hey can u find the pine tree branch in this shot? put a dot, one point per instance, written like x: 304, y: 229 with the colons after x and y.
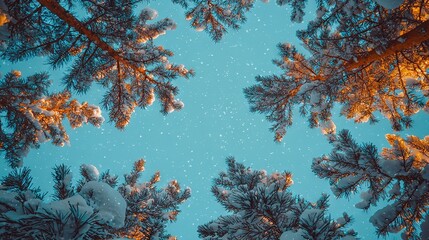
x: 411, y: 39
x: 67, y: 17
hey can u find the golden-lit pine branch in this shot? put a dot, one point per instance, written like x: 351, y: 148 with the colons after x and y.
x: 67, y: 17
x: 410, y: 39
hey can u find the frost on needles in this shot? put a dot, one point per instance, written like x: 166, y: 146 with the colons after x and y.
x: 262, y: 208
x: 397, y: 178
x: 94, y: 209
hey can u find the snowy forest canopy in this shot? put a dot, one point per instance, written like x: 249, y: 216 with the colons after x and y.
x: 368, y: 58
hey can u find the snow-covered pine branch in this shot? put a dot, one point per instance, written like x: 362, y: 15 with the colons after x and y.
x: 216, y: 16
x: 262, y: 208
x: 108, y: 44
x: 93, y: 210
x: 361, y: 56
x: 398, y: 175
x: 30, y: 115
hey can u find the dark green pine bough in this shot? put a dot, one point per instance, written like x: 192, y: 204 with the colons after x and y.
x: 98, y: 207
x: 109, y: 45
x: 261, y: 207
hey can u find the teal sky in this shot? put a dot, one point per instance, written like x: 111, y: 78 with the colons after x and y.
x: 191, y: 145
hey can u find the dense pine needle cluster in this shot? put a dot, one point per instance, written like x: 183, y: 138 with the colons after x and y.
x: 398, y: 175
x: 29, y: 115
x: 216, y: 16
x: 363, y: 57
x: 261, y: 207
x: 94, y: 209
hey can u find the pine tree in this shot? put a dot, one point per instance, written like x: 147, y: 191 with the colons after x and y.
x: 91, y: 210
x: 362, y: 56
x: 105, y: 42
x: 261, y: 207
x: 216, y: 16
x: 398, y: 175
x: 29, y: 115
x: 102, y: 42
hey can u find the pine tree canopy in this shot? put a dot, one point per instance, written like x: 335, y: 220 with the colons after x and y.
x: 94, y: 209
x: 104, y: 42
x: 398, y: 175
x: 262, y: 208
x: 360, y: 56
x: 364, y: 60
x: 30, y: 115
x: 101, y: 42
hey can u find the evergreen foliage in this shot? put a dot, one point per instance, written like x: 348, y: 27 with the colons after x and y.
x: 216, y: 16
x: 94, y: 210
x: 29, y: 115
x: 103, y: 42
x: 363, y: 57
x: 109, y: 45
x: 261, y: 207
x: 398, y: 175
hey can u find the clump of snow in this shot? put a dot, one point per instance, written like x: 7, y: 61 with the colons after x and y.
x: 348, y: 237
x: 149, y: 13
x: 189, y: 17
x: 8, y: 199
x: 291, y: 235
x: 425, y: 228
x: 200, y: 28
x: 310, y: 213
x: 63, y: 206
x: 390, y: 4
x: 362, y: 205
x: 384, y: 217
x: 169, y: 108
x: 151, y: 97
x: 90, y: 171
x: 33, y: 203
x: 366, y: 200
x: 425, y: 172
x: 315, y: 97
x: 327, y: 127
x: 396, y: 189
x: 391, y: 167
x: 411, y: 81
x: 178, y: 104
x: 107, y: 201
x: 96, y: 111
x: 343, y: 220
x: 226, y: 12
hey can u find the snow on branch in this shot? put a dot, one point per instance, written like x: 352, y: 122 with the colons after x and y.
x: 109, y: 45
x: 360, y: 56
x: 262, y: 207
x: 398, y: 175
x: 29, y: 115
x: 95, y: 209
x: 216, y: 16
